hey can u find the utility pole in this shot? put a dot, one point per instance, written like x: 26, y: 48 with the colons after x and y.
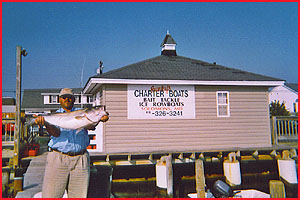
x: 19, y: 55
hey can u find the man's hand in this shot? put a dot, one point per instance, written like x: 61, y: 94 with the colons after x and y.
x: 40, y: 120
x: 51, y: 129
x: 93, y: 127
x: 104, y: 118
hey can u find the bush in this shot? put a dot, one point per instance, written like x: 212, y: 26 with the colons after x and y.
x: 278, y: 109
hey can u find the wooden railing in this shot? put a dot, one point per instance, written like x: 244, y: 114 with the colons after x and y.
x: 8, y: 137
x: 8, y: 127
x: 284, y: 130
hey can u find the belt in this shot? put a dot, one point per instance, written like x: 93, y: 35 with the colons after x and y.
x: 69, y: 153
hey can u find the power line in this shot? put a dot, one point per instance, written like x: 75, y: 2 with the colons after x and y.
x: 8, y: 90
x: 12, y: 91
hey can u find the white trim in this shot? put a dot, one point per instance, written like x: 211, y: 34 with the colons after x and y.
x: 290, y: 89
x: 177, y: 82
x: 168, y: 47
x: 55, y: 93
x: 98, y: 132
x: 48, y: 93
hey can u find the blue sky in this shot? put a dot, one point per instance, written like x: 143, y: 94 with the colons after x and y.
x: 62, y: 39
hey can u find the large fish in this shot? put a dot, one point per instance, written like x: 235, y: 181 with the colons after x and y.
x: 77, y: 119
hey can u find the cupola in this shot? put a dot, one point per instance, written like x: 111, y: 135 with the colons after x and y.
x: 168, y: 46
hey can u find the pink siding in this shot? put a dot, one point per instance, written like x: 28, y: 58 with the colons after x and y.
x: 247, y: 126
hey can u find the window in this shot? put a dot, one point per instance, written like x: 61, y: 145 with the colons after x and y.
x: 223, y: 104
x: 77, y: 99
x: 53, y: 99
x: 89, y: 99
x: 296, y: 106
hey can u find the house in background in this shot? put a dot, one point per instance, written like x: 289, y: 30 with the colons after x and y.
x: 43, y: 101
x: 37, y: 101
x: 8, y: 117
x: 8, y: 107
x: 288, y: 94
x: 171, y: 103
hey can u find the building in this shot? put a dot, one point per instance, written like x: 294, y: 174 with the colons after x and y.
x: 45, y: 101
x: 37, y: 101
x: 287, y: 94
x: 8, y: 117
x: 8, y: 107
x: 171, y: 103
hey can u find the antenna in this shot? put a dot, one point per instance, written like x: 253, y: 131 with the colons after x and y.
x: 101, y: 66
x: 100, y: 69
x: 81, y: 77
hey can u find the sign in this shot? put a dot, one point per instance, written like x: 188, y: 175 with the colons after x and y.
x: 161, y: 102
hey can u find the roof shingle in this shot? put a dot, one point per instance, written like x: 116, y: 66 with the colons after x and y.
x: 181, y: 68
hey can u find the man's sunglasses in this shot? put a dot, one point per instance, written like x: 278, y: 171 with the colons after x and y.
x: 67, y: 96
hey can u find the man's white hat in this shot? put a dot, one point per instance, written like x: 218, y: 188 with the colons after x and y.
x: 66, y: 91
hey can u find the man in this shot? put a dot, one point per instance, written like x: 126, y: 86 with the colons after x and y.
x: 68, y: 162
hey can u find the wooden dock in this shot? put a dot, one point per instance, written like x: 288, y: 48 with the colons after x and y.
x: 33, y: 178
x: 284, y: 137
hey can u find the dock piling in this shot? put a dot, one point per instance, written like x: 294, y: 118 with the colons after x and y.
x: 200, y: 179
x: 277, y: 189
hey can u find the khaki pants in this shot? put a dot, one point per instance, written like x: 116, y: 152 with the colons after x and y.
x: 66, y: 172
